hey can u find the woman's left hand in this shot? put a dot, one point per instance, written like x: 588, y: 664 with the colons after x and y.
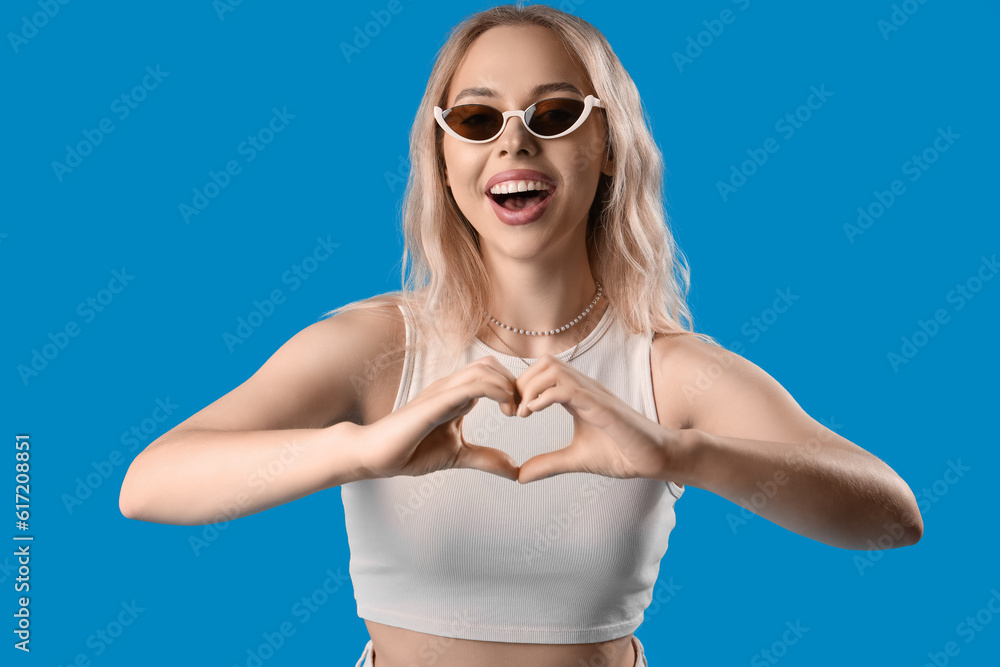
x: 610, y: 437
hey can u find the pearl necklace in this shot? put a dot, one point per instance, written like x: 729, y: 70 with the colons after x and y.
x: 585, y: 315
x: 552, y: 332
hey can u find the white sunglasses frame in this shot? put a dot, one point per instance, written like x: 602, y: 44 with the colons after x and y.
x: 589, y: 103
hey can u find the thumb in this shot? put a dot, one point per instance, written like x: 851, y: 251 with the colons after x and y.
x: 487, y: 459
x: 546, y: 465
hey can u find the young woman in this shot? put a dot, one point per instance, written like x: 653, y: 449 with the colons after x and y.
x: 512, y: 530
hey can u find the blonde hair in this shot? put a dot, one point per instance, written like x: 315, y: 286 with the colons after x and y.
x: 629, y: 245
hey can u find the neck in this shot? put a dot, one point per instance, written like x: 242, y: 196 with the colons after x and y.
x: 541, y: 297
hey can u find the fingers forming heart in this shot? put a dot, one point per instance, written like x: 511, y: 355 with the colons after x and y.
x: 609, y: 436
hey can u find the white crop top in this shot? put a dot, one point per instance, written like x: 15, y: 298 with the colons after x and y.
x: 464, y: 553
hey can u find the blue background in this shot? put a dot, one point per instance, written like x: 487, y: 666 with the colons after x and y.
x: 324, y: 175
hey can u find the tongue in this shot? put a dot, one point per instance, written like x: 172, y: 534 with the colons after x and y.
x: 518, y: 202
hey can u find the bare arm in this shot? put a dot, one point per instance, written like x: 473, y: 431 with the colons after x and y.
x: 751, y: 443
x: 281, y: 435
x: 196, y: 477
x: 822, y: 490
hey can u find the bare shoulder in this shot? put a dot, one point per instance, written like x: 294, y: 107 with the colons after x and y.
x: 726, y: 394
x: 683, y: 366
x: 378, y: 336
x: 685, y: 348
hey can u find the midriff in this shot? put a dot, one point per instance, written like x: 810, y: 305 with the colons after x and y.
x: 398, y: 647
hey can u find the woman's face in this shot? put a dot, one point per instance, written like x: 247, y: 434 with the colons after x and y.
x: 512, y: 62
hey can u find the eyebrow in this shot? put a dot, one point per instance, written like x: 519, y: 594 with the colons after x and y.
x: 558, y: 86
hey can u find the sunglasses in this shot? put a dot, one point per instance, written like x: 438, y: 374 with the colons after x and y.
x: 547, y: 119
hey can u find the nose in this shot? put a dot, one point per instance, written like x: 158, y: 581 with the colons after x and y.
x: 516, y: 137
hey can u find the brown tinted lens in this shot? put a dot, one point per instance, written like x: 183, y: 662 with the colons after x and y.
x: 474, y: 121
x: 551, y: 117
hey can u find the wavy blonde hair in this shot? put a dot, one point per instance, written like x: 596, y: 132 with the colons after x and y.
x: 629, y: 244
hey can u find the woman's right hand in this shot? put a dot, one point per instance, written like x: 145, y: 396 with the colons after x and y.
x: 425, y: 435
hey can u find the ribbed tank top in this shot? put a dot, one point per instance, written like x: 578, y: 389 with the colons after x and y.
x: 464, y: 553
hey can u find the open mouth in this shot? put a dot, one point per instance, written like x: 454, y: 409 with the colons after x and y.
x: 515, y: 201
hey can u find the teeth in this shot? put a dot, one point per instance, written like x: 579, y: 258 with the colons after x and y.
x: 508, y: 187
